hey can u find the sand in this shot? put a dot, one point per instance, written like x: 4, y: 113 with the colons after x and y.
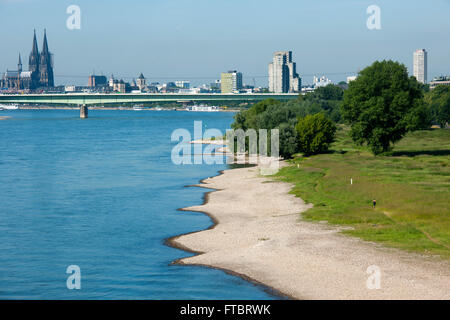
x: 259, y: 234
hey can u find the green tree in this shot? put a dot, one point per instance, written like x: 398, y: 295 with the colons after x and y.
x: 315, y: 133
x: 247, y: 119
x: 382, y: 104
x: 288, y: 140
x: 438, y: 101
x: 329, y: 92
x: 328, y: 99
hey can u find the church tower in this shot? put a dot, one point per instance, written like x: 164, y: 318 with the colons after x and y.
x: 33, y: 64
x: 45, y: 65
x: 19, y: 65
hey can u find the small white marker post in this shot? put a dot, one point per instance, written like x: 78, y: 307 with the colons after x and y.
x: 351, y: 180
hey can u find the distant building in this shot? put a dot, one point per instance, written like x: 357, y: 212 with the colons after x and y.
x: 442, y: 80
x: 230, y: 81
x: 351, y: 78
x: 97, y: 81
x: 73, y: 88
x: 420, y: 57
x: 40, y: 70
x: 321, y: 82
x: 215, y: 86
x: 120, y: 86
x: 141, y: 82
x: 283, y: 75
x: 111, y: 81
x: 183, y: 84
x: 17, y: 79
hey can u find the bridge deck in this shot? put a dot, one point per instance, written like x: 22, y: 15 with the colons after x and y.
x: 102, y: 99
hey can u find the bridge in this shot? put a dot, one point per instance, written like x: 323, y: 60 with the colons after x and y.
x: 79, y: 99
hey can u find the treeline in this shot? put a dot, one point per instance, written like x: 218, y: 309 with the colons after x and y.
x: 305, y: 124
x: 380, y: 106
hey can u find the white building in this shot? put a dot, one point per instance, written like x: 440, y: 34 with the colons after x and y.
x: 351, y: 78
x: 283, y: 76
x: 183, y: 84
x: 420, y: 65
x: 321, y: 82
x: 111, y: 81
x: 442, y: 80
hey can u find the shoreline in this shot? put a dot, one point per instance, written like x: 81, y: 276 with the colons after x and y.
x: 292, y: 258
x: 172, y: 242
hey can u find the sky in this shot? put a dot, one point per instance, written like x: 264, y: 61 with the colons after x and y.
x: 196, y: 40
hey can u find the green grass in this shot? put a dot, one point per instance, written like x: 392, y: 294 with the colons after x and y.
x: 411, y: 185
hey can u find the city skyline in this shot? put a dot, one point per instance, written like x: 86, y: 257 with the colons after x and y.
x: 314, y: 32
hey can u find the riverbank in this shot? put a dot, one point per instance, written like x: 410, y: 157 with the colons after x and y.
x: 259, y: 234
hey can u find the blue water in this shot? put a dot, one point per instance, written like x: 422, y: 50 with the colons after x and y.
x: 102, y: 193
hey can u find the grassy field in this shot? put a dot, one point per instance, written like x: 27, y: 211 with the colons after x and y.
x: 411, y: 186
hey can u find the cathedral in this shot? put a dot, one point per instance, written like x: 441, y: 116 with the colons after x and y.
x: 39, y: 74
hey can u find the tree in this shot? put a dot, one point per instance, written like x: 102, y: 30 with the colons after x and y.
x: 328, y: 98
x: 382, y: 104
x: 247, y: 119
x: 438, y: 101
x: 315, y: 133
x: 288, y: 140
x: 329, y: 92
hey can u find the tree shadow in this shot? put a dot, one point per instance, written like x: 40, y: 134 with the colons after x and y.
x: 420, y: 153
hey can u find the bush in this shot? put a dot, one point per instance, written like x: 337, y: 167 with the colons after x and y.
x: 315, y: 133
x: 438, y: 101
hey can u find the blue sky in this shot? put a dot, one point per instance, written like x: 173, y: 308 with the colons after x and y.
x: 197, y: 39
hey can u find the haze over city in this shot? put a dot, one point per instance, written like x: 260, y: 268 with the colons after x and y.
x: 200, y: 39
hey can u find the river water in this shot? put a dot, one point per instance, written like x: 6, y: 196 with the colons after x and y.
x: 102, y: 194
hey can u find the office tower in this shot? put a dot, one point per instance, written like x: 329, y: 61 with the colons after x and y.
x: 283, y: 75
x: 420, y: 65
x: 230, y: 81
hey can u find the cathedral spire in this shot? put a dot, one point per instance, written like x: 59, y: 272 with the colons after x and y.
x: 45, y: 45
x: 19, y: 64
x: 33, y: 63
x: 34, y: 50
x: 46, y: 65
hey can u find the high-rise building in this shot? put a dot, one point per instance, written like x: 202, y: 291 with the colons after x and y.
x: 420, y: 65
x: 283, y: 75
x: 230, y: 81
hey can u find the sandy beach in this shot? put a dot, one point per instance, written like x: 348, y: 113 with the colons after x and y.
x: 260, y: 235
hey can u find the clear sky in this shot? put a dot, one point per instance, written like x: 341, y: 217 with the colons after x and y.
x: 197, y: 39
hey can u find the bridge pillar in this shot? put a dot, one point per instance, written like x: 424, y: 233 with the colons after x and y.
x: 83, y: 111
